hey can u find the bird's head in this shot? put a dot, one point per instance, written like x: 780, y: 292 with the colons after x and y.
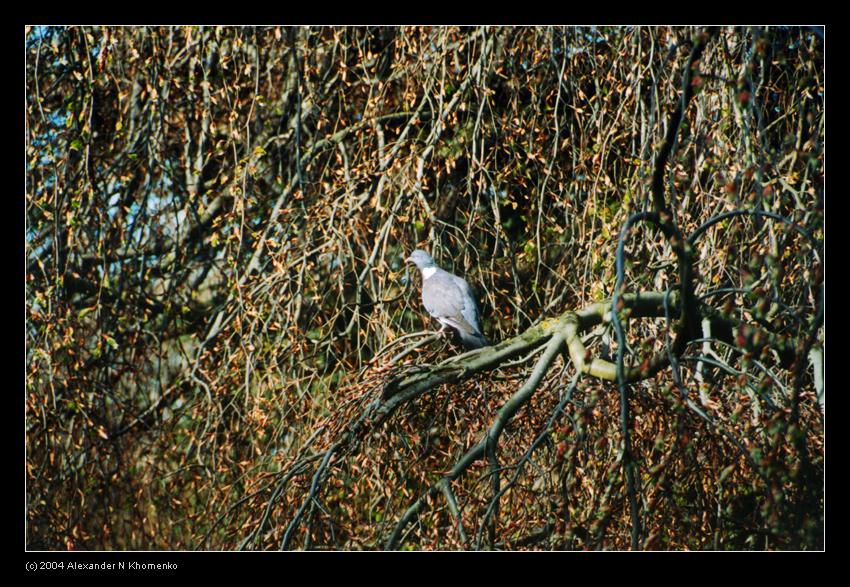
x: 421, y: 259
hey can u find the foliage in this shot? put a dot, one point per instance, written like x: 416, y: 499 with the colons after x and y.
x: 216, y: 225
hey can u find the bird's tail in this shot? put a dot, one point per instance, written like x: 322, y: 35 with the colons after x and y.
x: 473, y: 340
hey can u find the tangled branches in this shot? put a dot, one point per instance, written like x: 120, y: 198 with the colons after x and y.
x: 224, y: 351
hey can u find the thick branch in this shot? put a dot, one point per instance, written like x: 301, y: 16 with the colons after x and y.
x: 572, y: 324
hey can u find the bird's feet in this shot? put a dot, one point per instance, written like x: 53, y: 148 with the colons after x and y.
x: 444, y: 334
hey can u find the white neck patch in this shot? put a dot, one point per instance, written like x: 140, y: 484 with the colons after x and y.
x: 428, y: 272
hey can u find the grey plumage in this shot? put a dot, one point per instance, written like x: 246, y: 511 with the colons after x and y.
x: 449, y: 299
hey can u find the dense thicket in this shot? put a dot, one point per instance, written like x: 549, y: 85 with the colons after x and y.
x: 217, y: 220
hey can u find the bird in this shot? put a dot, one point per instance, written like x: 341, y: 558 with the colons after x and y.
x: 449, y: 299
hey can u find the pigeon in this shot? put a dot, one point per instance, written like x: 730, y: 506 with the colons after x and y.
x: 449, y: 299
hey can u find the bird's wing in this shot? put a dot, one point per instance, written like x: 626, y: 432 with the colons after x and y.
x: 469, y: 309
x: 445, y: 300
